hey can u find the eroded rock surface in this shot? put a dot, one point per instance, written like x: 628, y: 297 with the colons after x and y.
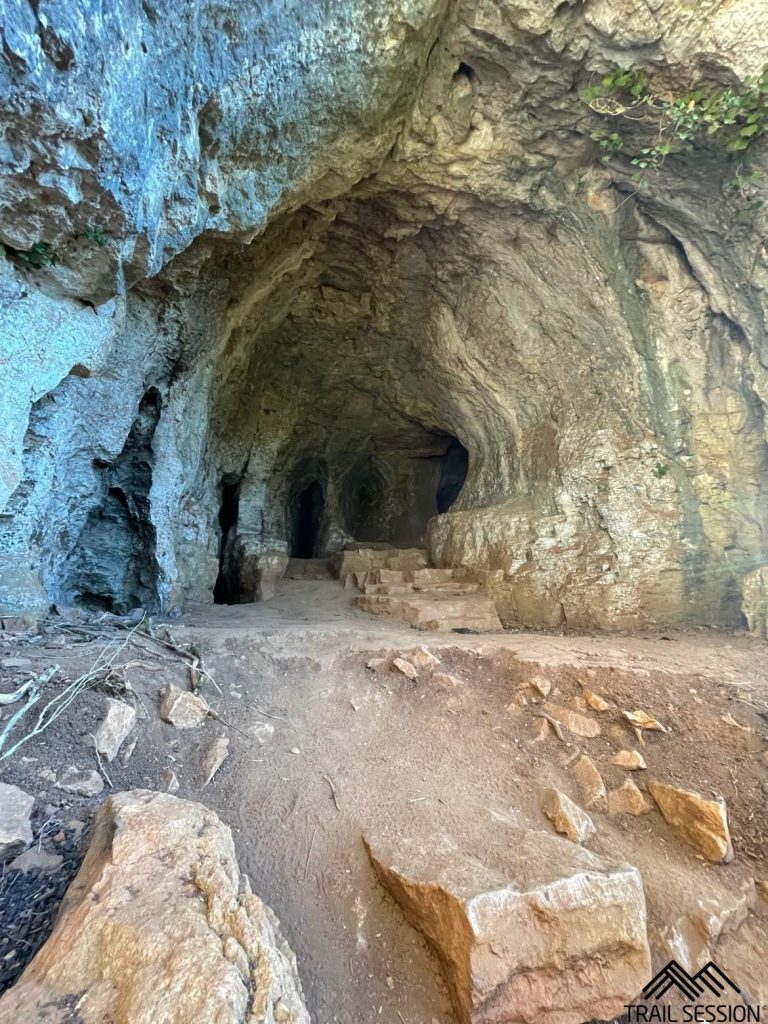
x: 160, y: 925
x: 279, y: 309
x: 554, y: 934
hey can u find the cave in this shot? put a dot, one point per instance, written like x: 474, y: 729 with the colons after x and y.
x: 453, y: 473
x: 364, y: 366
x: 113, y: 565
x: 364, y: 488
x: 227, y: 587
x: 307, y: 510
x: 445, y: 294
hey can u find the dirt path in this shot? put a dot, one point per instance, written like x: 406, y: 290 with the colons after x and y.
x: 416, y: 758
x: 324, y: 751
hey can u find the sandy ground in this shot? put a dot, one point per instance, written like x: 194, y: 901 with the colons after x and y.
x: 325, y: 751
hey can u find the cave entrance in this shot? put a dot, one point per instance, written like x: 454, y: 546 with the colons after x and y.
x: 363, y: 492
x: 307, y: 510
x: 454, y: 466
x: 113, y: 566
x: 227, y: 588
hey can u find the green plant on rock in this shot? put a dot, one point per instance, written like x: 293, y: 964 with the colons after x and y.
x: 660, y: 470
x: 41, y: 254
x: 743, y: 190
x: 731, y: 119
x: 96, y: 235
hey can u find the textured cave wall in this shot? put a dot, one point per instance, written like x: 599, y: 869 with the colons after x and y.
x: 236, y: 113
x: 617, y: 461
x: 375, y: 256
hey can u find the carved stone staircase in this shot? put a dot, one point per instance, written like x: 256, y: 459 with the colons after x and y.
x: 399, y: 584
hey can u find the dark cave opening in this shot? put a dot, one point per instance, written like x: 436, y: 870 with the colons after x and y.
x: 306, y: 517
x: 363, y: 490
x: 227, y: 588
x: 390, y: 496
x: 453, y: 474
x: 465, y: 71
x: 113, y: 566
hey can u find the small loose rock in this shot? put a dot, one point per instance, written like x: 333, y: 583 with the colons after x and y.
x: 627, y: 799
x: 630, y: 760
x: 444, y: 679
x: 215, y: 758
x: 567, y: 817
x: 15, y: 813
x: 406, y: 668
x: 81, y: 783
x: 114, y: 728
x: 182, y: 708
x: 700, y: 822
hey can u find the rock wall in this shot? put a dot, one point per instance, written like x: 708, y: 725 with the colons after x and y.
x: 342, y: 240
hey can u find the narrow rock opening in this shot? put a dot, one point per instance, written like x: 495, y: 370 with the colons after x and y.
x: 226, y: 590
x: 454, y: 469
x: 113, y: 566
x: 363, y: 493
x: 307, y: 509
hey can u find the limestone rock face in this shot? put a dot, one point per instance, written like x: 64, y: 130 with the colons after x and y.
x: 701, y: 822
x: 160, y: 925
x: 259, y: 573
x: 554, y: 935
x: 755, y: 603
x: 270, y: 309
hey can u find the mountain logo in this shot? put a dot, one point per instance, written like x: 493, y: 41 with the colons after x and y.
x: 709, y: 979
x: 707, y: 998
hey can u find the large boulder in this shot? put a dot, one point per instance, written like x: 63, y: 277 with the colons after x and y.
x: 160, y: 926
x: 546, y: 933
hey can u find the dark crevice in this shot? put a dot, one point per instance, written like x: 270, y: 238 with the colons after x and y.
x: 363, y: 489
x: 453, y: 473
x: 113, y: 565
x: 307, y: 510
x: 227, y: 588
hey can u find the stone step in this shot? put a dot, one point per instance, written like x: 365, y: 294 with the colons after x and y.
x: 308, y: 569
x: 386, y: 576
x: 451, y: 587
x: 429, y: 577
x: 388, y: 588
x: 367, y: 559
x: 441, y: 612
